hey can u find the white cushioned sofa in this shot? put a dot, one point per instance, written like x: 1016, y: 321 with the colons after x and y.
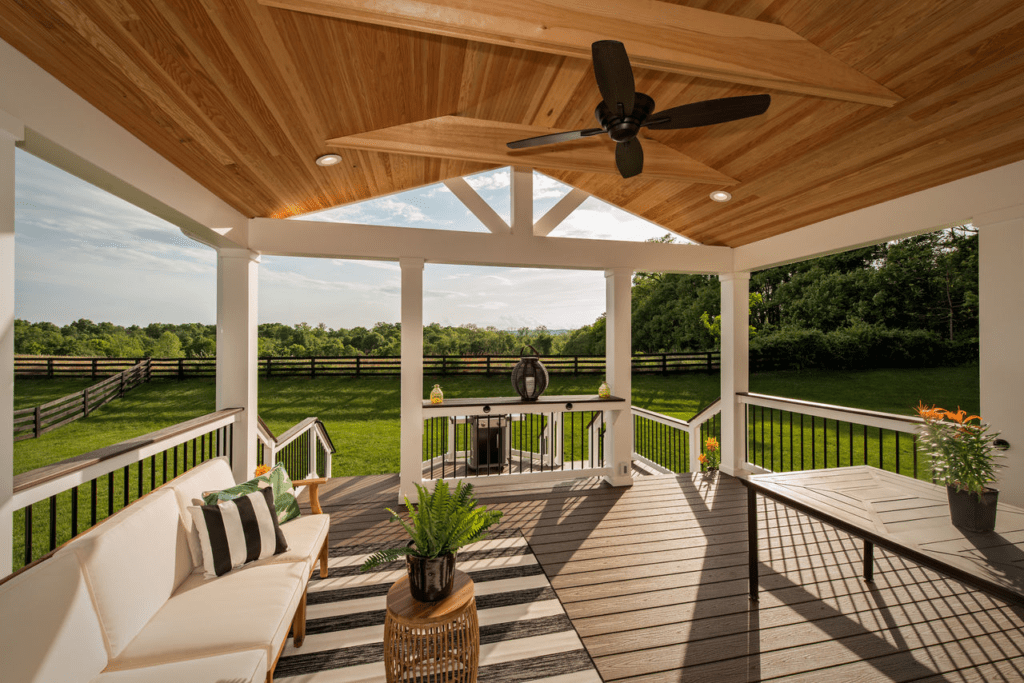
x: 129, y: 601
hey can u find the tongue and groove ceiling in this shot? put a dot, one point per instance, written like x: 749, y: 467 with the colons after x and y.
x: 244, y: 96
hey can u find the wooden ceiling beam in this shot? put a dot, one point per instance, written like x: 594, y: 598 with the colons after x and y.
x: 458, y: 137
x: 657, y: 35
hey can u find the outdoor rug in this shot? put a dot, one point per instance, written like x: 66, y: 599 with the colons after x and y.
x: 525, y: 634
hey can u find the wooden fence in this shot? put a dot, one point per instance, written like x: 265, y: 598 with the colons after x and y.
x: 31, y: 423
x: 26, y: 367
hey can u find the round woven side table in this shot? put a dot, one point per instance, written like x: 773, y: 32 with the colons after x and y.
x: 432, y: 641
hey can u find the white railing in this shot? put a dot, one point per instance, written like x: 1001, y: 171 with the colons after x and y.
x: 669, y: 445
x: 785, y: 434
x: 491, y: 440
x: 76, y: 493
x: 303, y: 443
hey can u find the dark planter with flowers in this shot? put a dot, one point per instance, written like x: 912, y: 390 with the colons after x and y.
x: 973, y: 512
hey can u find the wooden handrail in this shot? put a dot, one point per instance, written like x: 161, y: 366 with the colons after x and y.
x: 41, y: 475
x: 663, y: 419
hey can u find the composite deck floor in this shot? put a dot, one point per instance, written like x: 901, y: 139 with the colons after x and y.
x: 654, y: 578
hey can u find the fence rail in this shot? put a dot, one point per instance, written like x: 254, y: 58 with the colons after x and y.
x: 45, y: 367
x: 31, y: 423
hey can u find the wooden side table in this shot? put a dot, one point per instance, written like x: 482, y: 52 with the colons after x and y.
x: 432, y: 641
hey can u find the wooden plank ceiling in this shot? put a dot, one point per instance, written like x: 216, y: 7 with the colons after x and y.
x: 243, y: 97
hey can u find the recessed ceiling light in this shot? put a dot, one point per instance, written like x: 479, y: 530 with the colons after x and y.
x: 720, y: 196
x: 328, y: 160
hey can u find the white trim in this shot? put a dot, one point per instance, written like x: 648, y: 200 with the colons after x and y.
x: 953, y: 203
x: 324, y: 239
x: 68, y: 132
x: 529, y: 477
x: 11, y: 126
x: 477, y: 206
x: 651, y: 464
x: 559, y: 212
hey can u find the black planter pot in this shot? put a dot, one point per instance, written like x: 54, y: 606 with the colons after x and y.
x: 972, y: 512
x: 431, y: 578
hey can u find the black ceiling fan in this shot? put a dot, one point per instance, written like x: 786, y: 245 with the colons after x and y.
x: 623, y: 112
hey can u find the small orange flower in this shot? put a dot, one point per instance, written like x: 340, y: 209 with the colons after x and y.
x: 711, y: 444
x: 960, y: 416
x: 930, y: 413
x: 261, y: 470
x: 703, y: 459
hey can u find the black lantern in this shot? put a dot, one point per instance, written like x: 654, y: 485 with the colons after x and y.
x: 530, y: 377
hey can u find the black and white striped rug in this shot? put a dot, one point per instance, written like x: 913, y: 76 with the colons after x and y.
x: 525, y: 634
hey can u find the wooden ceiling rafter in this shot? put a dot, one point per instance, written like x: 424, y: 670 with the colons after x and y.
x: 460, y: 137
x: 657, y: 35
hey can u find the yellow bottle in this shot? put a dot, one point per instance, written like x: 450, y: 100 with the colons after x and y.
x: 436, y: 395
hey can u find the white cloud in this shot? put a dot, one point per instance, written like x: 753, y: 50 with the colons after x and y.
x: 490, y: 180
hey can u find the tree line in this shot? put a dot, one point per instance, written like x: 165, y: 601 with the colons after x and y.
x: 912, y: 301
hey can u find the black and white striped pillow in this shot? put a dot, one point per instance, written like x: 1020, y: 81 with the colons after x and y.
x: 238, y: 531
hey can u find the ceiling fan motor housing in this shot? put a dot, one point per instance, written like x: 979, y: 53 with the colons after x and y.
x: 623, y: 128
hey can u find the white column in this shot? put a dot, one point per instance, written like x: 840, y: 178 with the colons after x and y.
x: 618, y: 452
x: 1001, y: 331
x: 237, y: 349
x: 11, y: 131
x: 735, y: 376
x: 412, y: 377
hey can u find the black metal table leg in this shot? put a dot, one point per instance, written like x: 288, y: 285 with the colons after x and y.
x: 752, y: 540
x: 869, y: 561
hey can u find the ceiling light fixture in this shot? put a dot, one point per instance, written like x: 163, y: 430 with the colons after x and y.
x: 720, y: 196
x: 328, y: 160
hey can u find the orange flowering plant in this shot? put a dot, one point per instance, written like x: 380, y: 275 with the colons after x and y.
x: 712, y: 455
x: 959, y: 447
x: 261, y: 470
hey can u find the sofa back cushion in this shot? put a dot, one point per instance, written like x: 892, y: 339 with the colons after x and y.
x: 212, y: 475
x: 49, y: 630
x: 132, y: 563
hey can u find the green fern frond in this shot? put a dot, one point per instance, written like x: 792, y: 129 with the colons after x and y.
x: 385, y: 556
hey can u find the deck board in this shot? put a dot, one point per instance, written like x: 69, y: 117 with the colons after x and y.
x: 654, y: 580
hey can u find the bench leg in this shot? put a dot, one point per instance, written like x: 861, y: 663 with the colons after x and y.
x: 323, y: 557
x: 752, y: 541
x: 299, y: 623
x: 869, y: 561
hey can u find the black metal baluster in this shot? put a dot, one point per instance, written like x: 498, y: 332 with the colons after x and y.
x: 110, y: 493
x: 897, y: 451
x: 127, y: 484
x: 138, y: 487
x: 231, y: 444
x: 881, y: 454
x: 771, y: 436
x: 865, y: 444
x: 28, y: 534
x: 802, y: 467
x: 824, y: 441
x: 814, y: 459
x: 194, y: 452
x: 851, y: 442
x: 762, y: 436
x: 74, y: 511
x: 53, y: 522
x: 164, y: 473
x: 791, y: 441
x: 94, y: 494
x: 175, y: 458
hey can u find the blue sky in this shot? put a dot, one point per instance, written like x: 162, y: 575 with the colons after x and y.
x: 82, y: 253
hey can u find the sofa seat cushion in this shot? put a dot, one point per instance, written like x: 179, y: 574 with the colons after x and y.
x: 235, y: 667
x: 49, y: 630
x: 245, y: 609
x: 133, y: 562
x: 209, y: 476
x: 305, y: 536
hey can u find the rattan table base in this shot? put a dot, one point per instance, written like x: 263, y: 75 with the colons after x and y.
x: 432, y: 642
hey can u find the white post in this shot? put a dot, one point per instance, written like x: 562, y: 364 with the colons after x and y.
x: 11, y: 131
x: 412, y: 377
x: 1001, y: 329
x: 521, y: 187
x: 695, y: 445
x: 312, y: 453
x: 619, y: 370
x: 237, y: 349
x: 735, y: 375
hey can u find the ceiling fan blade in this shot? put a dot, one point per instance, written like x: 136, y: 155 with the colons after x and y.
x: 554, y: 137
x: 629, y: 158
x: 614, y: 75
x: 709, y: 112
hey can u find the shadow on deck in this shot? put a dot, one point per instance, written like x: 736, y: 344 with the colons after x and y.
x: 654, y: 580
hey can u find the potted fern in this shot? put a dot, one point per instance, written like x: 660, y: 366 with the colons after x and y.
x: 963, y: 458
x: 440, y: 524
